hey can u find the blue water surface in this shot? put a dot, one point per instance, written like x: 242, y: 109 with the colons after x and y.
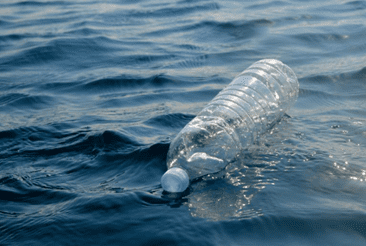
x: 92, y: 92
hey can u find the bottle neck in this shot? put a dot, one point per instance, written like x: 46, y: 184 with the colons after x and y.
x: 175, y: 180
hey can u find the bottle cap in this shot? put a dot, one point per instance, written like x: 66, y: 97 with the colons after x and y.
x: 175, y: 180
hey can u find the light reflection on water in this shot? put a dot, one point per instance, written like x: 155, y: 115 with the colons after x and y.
x: 334, y: 165
x: 228, y: 194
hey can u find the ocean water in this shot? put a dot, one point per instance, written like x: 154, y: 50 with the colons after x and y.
x: 92, y: 92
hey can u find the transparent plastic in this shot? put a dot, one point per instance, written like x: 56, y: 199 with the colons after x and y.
x: 250, y: 105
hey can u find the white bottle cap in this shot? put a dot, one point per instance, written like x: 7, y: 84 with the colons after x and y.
x: 175, y: 180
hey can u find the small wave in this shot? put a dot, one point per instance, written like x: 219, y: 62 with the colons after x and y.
x: 212, y: 59
x: 57, y: 87
x: 274, y: 4
x: 33, y: 102
x: 38, y: 3
x: 357, y: 5
x: 331, y: 93
x: 32, y: 56
x: 127, y: 101
x: 342, y: 7
x: 319, y: 38
x: 119, y: 83
x: 286, y: 20
x: 23, y: 101
x: 197, y: 61
x: 19, y: 189
x: 214, y: 30
x: 169, y: 12
x: 20, y: 140
x: 4, y: 23
x: 191, y: 47
x: 237, y: 28
x: 50, y: 141
x: 8, y: 98
x: 107, y: 161
x: 169, y: 120
x: 359, y: 75
x: 13, y: 37
x: 83, y: 31
x: 141, y: 154
x: 312, y: 99
x: 136, y: 60
x: 59, y: 50
x: 106, y: 141
x: 339, y: 84
x: 122, y: 170
x: 107, y: 203
x: 8, y: 134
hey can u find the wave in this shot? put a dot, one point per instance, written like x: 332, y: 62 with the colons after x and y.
x: 4, y: 23
x: 336, y: 81
x: 357, y: 5
x: 13, y: 37
x: 19, y: 101
x: 74, y: 162
x: 209, y: 30
x: 168, y: 12
x: 39, y: 3
x: 169, y: 120
x: 111, y: 84
x: 47, y: 141
x: 22, y: 190
x: 320, y: 38
x: 329, y: 94
x: 56, y: 50
x: 120, y: 86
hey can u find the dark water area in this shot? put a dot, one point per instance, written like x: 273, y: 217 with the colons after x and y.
x: 92, y: 93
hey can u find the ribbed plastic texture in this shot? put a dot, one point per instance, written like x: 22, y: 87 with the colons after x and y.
x: 251, y: 104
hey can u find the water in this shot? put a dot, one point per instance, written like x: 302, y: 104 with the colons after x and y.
x: 92, y: 93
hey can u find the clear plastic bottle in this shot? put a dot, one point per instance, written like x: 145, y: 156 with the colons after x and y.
x: 250, y: 105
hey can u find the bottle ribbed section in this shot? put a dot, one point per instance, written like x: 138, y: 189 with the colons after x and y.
x: 255, y: 99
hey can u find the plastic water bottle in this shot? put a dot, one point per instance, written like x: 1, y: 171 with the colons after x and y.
x: 250, y: 105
